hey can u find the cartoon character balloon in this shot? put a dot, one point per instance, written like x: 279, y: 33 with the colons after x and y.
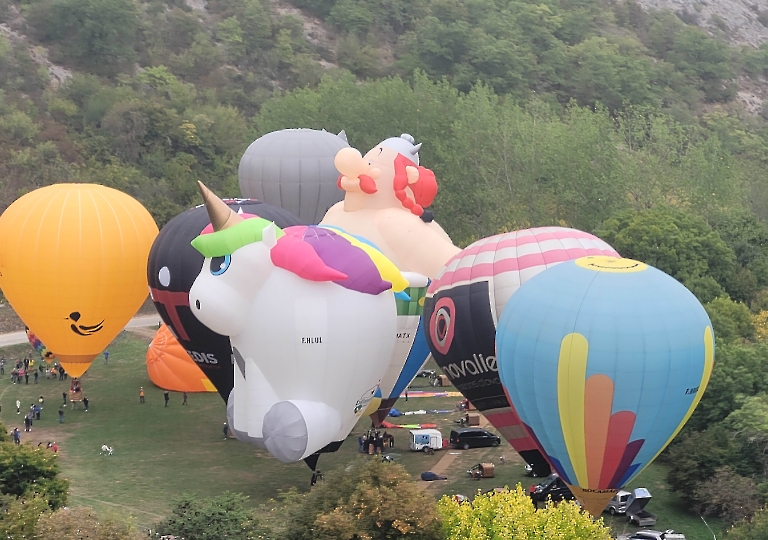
x: 605, y: 360
x: 387, y: 193
x: 72, y: 265
x: 293, y: 169
x: 172, y: 268
x: 171, y: 368
x: 310, y: 316
x: 465, y: 302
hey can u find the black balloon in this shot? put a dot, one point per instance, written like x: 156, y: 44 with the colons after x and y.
x: 172, y: 268
x: 462, y: 338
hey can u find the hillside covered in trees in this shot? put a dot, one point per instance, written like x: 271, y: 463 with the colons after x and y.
x: 601, y: 115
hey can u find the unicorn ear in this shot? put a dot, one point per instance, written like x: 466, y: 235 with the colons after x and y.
x: 269, y: 235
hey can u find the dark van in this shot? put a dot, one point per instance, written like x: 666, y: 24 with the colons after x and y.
x: 551, y: 486
x: 473, y: 437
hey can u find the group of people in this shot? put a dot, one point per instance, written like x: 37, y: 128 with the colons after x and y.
x: 166, y: 397
x: 24, y: 369
x: 374, y: 442
x: 16, y: 438
x: 32, y: 415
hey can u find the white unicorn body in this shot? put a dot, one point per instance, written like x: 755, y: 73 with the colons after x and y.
x: 309, y: 355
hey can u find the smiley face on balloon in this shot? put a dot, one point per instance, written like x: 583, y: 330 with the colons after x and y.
x: 83, y: 330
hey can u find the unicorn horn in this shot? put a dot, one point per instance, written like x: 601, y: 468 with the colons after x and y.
x: 222, y: 216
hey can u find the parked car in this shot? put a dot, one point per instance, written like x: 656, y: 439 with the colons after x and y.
x: 652, y: 535
x: 618, y: 505
x: 473, y: 437
x: 552, y: 486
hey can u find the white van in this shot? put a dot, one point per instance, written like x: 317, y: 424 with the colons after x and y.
x: 422, y: 439
x: 618, y: 504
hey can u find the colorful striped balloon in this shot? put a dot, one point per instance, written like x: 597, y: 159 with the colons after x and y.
x: 463, y: 306
x: 605, y: 360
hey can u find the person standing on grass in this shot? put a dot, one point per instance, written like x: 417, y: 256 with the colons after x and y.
x: 35, y: 377
x: 141, y: 394
x: 55, y: 447
x: 41, y: 401
x: 106, y: 357
x: 2, y: 365
x: 85, y: 403
x: 16, y: 436
x: 27, y: 423
x: 226, y: 431
x: 18, y: 406
x: 26, y: 376
x: 167, y: 397
x: 37, y: 412
x: 185, y: 399
x: 61, y: 416
x: 64, y: 397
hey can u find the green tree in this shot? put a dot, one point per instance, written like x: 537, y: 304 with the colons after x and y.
x: 224, y: 516
x: 25, y: 472
x: 351, y: 16
x: 750, y: 422
x: 672, y: 240
x: 730, y: 320
x: 374, y: 501
x: 755, y: 528
x: 20, y: 516
x: 739, y: 373
x: 598, y: 72
x: 696, y: 456
x: 698, y: 55
x: 510, y: 514
x: 728, y: 495
x: 95, y: 34
x: 230, y: 33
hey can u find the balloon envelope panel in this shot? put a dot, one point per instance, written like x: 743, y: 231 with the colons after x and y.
x: 171, y: 368
x: 173, y: 266
x: 604, y: 360
x: 463, y: 305
x: 72, y: 261
x: 293, y: 169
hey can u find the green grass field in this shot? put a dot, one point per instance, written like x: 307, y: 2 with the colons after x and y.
x: 161, y: 453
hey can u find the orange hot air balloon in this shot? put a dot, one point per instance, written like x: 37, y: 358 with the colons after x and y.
x: 171, y: 368
x: 73, y: 263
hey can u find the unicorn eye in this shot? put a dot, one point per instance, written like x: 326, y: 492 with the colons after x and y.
x: 219, y: 265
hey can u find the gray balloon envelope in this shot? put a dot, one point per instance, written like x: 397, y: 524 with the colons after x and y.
x: 293, y: 169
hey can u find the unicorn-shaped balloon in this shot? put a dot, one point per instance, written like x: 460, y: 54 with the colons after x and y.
x: 310, y: 313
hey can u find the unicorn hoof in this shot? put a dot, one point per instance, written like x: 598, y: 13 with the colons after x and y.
x: 285, y: 432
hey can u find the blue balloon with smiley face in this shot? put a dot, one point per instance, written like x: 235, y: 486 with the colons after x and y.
x: 605, y: 360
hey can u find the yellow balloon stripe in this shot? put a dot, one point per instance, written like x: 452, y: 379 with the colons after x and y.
x: 571, y: 380
x: 208, y: 385
x: 387, y: 269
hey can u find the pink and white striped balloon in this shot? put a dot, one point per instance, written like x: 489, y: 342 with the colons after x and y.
x: 508, y: 260
x: 461, y: 333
